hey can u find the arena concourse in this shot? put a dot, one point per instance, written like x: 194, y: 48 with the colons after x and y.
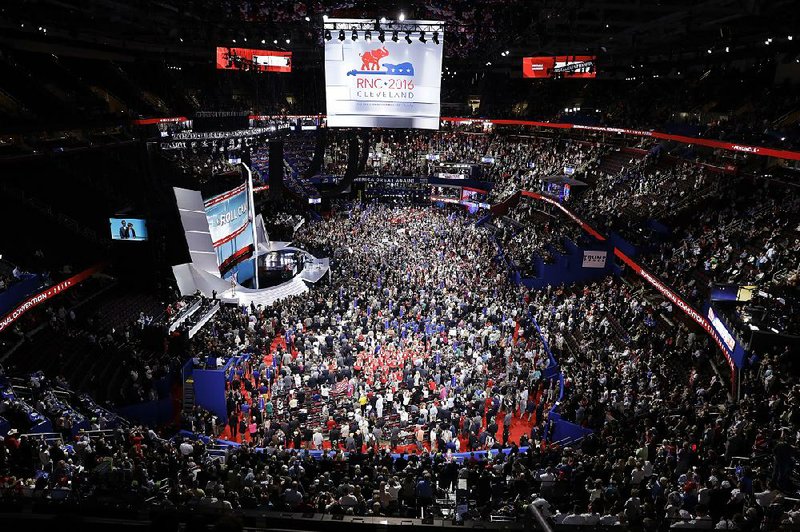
x: 307, y: 265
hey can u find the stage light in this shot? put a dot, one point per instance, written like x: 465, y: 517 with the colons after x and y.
x: 327, y: 35
x: 263, y: 41
x: 381, y: 36
x: 436, y: 37
x: 790, y: 37
x: 275, y: 41
x: 383, y: 20
x: 368, y: 35
x: 727, y: 49
x: 341, y: 35
x: 402, y: 17
x: 394, y: 36
x: 308, y: 19
x: 709, y: 50
x: 408, y: 37
x: 422, y: 38
x: 234, y: 41
x: 354, y: 35
x: 288, y: 41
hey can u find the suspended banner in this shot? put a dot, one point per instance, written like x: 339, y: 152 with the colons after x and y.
x: 566, y: 66
x: 251, y: 59
x: 384, y: 84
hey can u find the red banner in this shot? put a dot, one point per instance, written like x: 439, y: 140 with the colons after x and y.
x: 250, y: 59
x: 149, y: 121
x: 678, y: 301
x: 567, y: 66
x: 710, y: 143
x: 586, y: 227
x: 718, y: 144
x: 46, y: 294
x: 687, y: 309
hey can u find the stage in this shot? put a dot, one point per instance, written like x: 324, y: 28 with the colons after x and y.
x: 223, y: 275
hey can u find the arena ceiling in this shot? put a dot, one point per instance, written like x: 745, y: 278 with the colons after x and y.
x: 618, y: 30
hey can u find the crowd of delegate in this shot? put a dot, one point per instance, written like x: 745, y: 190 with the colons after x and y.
x: 420, y: 345
x: 394, y: 338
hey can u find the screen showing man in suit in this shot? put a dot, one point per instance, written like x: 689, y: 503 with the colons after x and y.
x: 132, y: 229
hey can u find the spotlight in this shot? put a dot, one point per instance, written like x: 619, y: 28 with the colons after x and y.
x: 368, y: 35
x: 308, y: 19
x: 394, y: 36
x: 402, y: 17
x: 341, y: 35
x: 381, y: 36
x: 422, y: 38
x: 234, y: 41
x: 327, y: 35
x: 727, y: 49
x: 288, y: 41
x: 709, y: 50
x: 354, y: 35
x: 408, y: 37
x: 436, y: 37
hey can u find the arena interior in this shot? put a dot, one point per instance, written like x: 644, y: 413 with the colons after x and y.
x: 326, y: 264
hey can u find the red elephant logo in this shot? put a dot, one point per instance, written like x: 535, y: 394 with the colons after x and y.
x: 370, y: 60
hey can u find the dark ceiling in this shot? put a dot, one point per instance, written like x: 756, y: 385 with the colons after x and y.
x: 617, y: 31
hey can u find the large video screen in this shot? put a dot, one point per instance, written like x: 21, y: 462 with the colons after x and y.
x: 229, y: 225
x: 250, y: 59
x: 389, y: 84
x: 567, y: 66
x: 130, y: 229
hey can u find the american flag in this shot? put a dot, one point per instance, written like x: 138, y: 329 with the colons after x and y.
x: 340, y: 387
